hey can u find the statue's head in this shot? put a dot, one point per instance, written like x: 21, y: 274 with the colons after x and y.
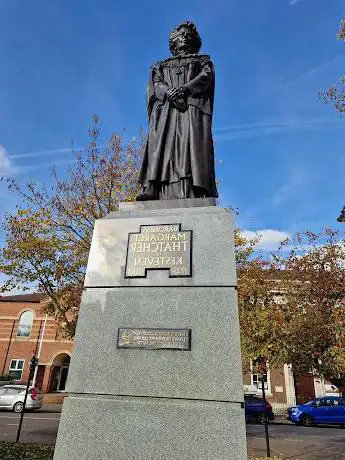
x: 184, y: 39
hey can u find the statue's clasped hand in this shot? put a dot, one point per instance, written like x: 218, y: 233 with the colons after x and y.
x: 176, y: 97
x: 176, y: 93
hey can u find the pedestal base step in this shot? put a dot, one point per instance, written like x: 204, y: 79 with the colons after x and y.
x: 122, y: 428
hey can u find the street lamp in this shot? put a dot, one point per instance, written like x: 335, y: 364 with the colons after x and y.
x: 33, y: 365
x: 261, y: 365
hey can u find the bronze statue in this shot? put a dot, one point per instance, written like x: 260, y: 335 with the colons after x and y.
x: 178, y: 160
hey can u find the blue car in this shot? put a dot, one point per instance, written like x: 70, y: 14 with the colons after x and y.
x: 329, y: 410
x: 256, y: 409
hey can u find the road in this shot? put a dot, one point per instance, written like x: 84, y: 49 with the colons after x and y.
x: 37, y: 426
x: 297, y: 442
x: 289, y: 441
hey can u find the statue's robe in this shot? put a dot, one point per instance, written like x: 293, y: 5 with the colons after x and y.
x: 179, y: 156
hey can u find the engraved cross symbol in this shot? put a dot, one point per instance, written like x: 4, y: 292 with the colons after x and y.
x: 179, y: 68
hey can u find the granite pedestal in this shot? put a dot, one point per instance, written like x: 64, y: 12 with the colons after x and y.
x: 157, y: 404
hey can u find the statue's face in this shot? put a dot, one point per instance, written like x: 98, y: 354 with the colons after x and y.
x: 184, y: 41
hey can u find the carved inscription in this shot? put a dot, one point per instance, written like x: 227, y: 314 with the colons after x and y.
x: 178, y: 339
x: 158, y: 247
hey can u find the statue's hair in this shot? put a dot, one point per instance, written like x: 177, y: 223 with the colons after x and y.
x: 195, y: 34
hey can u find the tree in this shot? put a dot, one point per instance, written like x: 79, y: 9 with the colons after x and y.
x: 258, y: 300
x: 302, y: 321
x: 47, y: 238
x: 335, y: 95
x: 313, y: 311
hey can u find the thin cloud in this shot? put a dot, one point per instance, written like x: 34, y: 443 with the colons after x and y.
x: 297, y: 180
x: 42, y: 152
x: 296, y: 80
x: 276, y: 123
x: 246, y: 134
x: 260, y: 128
x: 294, y: 2
x: 6, y: 166
x: 309, y: 73
x: 25, y: 169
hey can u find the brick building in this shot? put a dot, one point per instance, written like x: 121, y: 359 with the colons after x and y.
x: 279, y: 386
x: 23, y: 326
x: 283, y: 390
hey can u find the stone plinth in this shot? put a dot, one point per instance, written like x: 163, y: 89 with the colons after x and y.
x: 157, y: 404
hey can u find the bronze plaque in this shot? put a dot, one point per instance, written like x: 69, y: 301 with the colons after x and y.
x: 159, y: 247
x: 154, y: 339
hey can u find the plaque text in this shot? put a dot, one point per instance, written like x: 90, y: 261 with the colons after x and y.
x: 178, y: 339
x: 157, y: 247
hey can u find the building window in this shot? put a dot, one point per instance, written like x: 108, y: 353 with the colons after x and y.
x: 16, y: 368
x: 256, y: 381
x: 25, y: 324
x: 256, y: 378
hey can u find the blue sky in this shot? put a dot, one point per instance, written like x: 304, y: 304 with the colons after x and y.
x: 280, y: 152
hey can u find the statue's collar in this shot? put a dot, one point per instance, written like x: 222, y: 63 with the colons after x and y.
x: 185, y: 56
x: 182, y: 57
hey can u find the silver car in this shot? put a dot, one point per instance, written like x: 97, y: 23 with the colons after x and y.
x: 12, y: 398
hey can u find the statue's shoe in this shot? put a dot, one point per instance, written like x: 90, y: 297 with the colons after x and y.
x: 145, y: 197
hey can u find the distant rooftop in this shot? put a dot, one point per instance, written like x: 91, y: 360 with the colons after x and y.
x: 33, y: 298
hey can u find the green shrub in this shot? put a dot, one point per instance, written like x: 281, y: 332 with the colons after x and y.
x: 265, y: 458
x: 6, y: 378
x: 23, y: 451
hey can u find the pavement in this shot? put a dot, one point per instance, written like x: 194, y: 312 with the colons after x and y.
x: 55, y: 408
x: 289, y: 441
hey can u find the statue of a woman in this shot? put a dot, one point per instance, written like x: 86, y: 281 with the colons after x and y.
x: 178, y: 160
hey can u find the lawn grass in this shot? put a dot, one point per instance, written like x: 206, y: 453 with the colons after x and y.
x: 23, y: 451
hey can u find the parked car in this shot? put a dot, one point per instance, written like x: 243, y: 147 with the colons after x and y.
x: 12, y: 398
x: 329, y: 410
x: 256, y: 409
